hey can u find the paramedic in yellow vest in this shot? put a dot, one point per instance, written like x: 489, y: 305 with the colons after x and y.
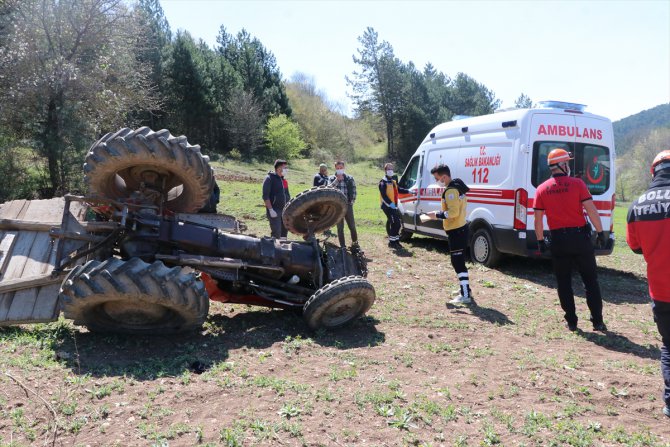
x: 452, y: 215
x: 388, y: 194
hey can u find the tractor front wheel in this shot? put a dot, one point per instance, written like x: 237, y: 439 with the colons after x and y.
x: 339, y: 302
x: 316, y: 209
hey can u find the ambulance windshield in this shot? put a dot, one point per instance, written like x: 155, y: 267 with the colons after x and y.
x: 410, y: 175
x: 591, y: 163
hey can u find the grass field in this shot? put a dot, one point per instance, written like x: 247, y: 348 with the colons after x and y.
x: 413, y: 372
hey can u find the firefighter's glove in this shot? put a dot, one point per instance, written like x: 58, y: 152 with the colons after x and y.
x: 393, y: 206
x: 543, y: 246
x: 273, y: 213
x: 601, y: 240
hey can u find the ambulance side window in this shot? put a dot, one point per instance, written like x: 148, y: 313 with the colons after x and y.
x: 410, y: 175
x: 541, y: 150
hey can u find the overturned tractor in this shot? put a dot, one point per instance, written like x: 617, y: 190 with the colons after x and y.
x: 145, y: 260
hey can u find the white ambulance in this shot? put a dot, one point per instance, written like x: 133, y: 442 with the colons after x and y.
x: 502, y: 157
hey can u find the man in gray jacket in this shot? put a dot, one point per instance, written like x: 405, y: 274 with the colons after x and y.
x: 347, y: 186
x: 275, y: 196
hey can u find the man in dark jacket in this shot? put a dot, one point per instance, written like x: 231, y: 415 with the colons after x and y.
x: 647, y: 234
x: 321, y: 177
x: 388, y: 196
x: 347, y: 186
x: 275, y: 196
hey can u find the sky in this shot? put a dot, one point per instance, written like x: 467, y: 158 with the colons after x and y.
x: 613, y: 56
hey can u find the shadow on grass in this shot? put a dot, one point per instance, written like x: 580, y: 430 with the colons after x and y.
x: 402, y: 252
x: 149, y: 357
x: 619, y: 343
x: 487, y: 314
x: 618, y: 286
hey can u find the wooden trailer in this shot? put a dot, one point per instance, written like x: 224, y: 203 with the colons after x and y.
x: 28, y: 291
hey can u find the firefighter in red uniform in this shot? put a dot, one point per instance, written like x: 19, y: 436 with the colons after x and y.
x: 647, y: 233
x: 563, y: 199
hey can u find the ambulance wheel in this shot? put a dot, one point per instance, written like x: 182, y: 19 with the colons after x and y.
x: 405, y: 235
x: 483, y: 250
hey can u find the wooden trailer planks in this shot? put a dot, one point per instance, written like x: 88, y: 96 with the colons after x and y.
x: 29, y: 255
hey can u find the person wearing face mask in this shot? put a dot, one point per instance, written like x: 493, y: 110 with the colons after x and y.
x: 388, y: 192
x: 321, y: 177
x: 454, y: 203
x: 564, y: 199
x: 347, y: 186
x: 275, y: 196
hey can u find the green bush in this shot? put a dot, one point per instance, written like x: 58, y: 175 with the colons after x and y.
x: 282, y: 138
x: 21, y: 171
x: 235, y: 154
x: 323, y: 156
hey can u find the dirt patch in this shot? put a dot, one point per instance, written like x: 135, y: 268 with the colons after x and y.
x: 224, y: 176
x: 415, y: 371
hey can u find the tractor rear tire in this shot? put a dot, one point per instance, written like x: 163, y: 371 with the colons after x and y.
x: 339, y: 302
x: 134, y: 297
x: 114, y: 165
x: 320, y: 208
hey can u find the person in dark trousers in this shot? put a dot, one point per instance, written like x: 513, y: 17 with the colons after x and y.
x: 648, y: 222
x: 347, y: 186
x: 214, y: 198
x: 388, y: 194
x: 563, y: 199
x: 275, y: 196
x: 454, y: 203
x: 321, y: 178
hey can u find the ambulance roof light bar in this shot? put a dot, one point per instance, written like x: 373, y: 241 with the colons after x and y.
x: 567, y: 106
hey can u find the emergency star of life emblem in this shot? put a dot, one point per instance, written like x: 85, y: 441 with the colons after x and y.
x: 595, y: 172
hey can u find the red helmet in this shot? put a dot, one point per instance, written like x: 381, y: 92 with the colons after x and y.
x: 558, y: 156
x: 663, y: 156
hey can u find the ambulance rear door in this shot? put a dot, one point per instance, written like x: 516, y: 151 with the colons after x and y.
x: 548, y: 131
x: 594, y: 163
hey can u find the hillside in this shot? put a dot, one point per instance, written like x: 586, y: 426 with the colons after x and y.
x: 630, y: 130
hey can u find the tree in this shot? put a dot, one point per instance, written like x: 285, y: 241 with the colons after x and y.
x: 438, y: 95
x: 244, y: 124
x: 469, y: 97
x: 70, y: 72
x: 377, y: 86
x: 523, y: 102
x: 282, y: 138
x: 414, y: 120
x: 153, y: 50
x: 257, y: 69
x: 190, y: 89
x: 643, y: 153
